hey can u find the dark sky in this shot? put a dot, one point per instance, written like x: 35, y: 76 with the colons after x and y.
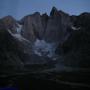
x: 20, y: 8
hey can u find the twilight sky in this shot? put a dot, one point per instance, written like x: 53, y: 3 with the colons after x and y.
x: 20, y: 8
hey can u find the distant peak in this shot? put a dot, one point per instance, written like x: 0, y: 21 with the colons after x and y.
x: 36, y: 13
x: 8, y: 17
x: 54, y: 10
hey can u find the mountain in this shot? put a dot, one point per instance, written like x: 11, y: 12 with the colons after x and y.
x: 9, y: 53
x: 16, y: 51
x: 76, y: 49
x: 10, y: 23
x: 58, y: 22
x: 32, y: 27
x: 44, y: 39
x: 51, y: 28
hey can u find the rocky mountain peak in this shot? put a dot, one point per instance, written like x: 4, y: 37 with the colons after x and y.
x: 54, y: 11
x: 10, y: 23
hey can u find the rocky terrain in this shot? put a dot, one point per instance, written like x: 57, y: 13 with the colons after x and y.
x: 55, y: 44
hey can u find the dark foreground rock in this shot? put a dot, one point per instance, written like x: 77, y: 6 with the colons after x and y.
x: 62, y: 80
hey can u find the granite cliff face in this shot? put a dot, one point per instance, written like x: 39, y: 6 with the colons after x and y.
x: 51, y: 28
x: 58, y: 22
x: 32, y: 27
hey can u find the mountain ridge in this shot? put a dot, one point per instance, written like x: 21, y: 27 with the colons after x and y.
x: 48, y: 37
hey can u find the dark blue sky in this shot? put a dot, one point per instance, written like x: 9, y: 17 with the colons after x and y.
x: 20, y: 8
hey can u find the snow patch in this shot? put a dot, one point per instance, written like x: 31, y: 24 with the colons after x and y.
x: 75, y: 28
x: 42, y: 48
x: 18, y: 29
x: 18, y: 36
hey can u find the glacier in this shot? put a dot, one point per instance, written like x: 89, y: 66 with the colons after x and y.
x: 43, y: 48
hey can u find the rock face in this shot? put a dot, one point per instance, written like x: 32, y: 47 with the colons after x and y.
x: 15, y: 51
x: 44, y: 18
x: 57, y: 25
x: 32, y: 27
x: 16, y: 55
x: 51, y: 28
x: 10, y: 23
x: 76, y: 48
